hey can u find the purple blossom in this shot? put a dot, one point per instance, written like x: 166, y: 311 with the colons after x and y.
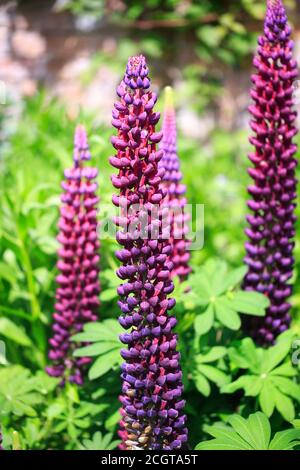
x: 174, y: 199
x: 78, y: 286
x: 152, y: 407
x: 271, y: 225
x: 1, y: 440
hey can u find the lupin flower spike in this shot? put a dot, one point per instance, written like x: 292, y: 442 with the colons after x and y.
x: 174, y: 199
x: 152, y: 407
x: 78, y: 286
x: 270, y: 235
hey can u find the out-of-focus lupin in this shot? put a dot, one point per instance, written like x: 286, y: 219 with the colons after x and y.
x: 175, y: 199
x: 78, y: 288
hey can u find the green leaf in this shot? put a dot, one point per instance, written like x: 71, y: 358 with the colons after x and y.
x: 285, y: 440
x: 108, y: 330
x: 250, y: 303
x: 108, y: 294
x: 234, y: 278
x: 13, y: 332
x: 8, y: 273
x: 214, y: 354
x: 18, y: 392
x: 242, y: 382
x: 267, y: 398
x: 260, y: 428
x: 204, y: 322
x: 285, y: 369
x: 200, y: 289
x: 96, y: 349
x: 287, y: 386
x: 219, y: 273
x: 275, y: 355
x: 226, y: 315
x: 100, y: 442
x: 214, y: 374
x: 284, y: 405
x: 112, y: 421
x: 254, y: 387
x: 240, y: 425
x: 104, y: 363
x: 202, y: 384
x: 227, y: 440
x: 211, y: 35
x: 245, y: 356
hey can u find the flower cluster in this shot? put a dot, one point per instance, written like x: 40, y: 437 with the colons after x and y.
x: 174, y: 199
x: 152, y: 407
x: 270, y: 235
x: 78, y: 286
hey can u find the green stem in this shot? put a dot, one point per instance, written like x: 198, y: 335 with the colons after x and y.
x: 34, y: 304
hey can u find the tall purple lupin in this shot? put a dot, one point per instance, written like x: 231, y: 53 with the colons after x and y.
x: 78, y: 285
x: 175, y: 200
x: 270, y: 235
x: 152, y: 407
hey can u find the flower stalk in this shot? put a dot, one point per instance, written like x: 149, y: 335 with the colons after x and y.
x: 271, y: 228
x: 152, y: 405
x: 175, y: 200
x: 78, y: 285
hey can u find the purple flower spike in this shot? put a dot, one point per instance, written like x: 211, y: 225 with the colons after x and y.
x: 152, y: 408
x: 78, y: 286
x: 174, y: 200
x: 271, y: 225
x: 1, y: 440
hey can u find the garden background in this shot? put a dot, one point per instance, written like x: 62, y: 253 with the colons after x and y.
x: 60, y: 63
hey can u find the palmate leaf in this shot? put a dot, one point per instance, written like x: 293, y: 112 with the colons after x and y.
x: 74, y: 417
x: 213, y: 289
x: 275, y: 355
x: 260, y: 428
x: 272, y: 382
x: 226, y: 314
x: 105, y: 346
x: 285, y: 440
x: 234, y: 278
x: 245, y: 355
x: 202, y: 373
x: 250, y: 303
x: 19, y: 393
x: 253, y: 433
x: 100, y: 442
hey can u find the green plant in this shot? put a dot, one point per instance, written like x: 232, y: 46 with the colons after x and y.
x: 216, y: 299
x: 269, y: 375
x: 100, y: 442
x: 104, y: 344
x: 253, y: 433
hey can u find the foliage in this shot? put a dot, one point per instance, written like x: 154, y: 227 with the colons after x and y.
x: 104, y: 343
x: 224, y: 372
x: 214, y: 297
x: 253, y: 433
x: 270, y: 376
x: 100, y: 442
